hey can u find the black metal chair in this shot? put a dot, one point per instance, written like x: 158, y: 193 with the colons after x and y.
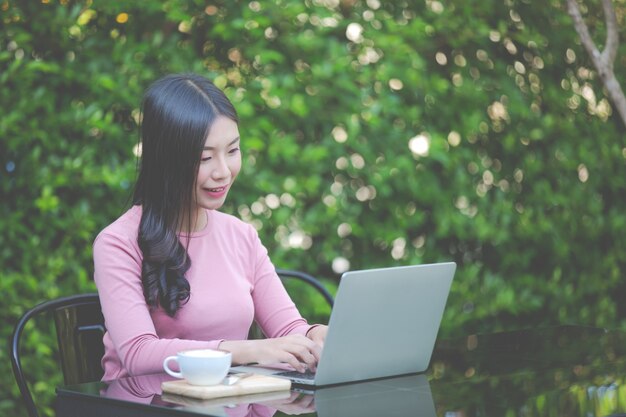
x: 286, y: 274
x: 79, y: 328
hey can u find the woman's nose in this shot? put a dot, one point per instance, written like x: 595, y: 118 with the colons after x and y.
x: 221, y: 169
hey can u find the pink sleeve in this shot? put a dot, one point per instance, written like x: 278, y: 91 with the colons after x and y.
x: 117, y: 272
x: 275, y: 312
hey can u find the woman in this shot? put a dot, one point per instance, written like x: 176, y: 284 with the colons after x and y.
x: 174, y: 273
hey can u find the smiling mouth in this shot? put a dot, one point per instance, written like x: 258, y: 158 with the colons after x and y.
x: 216, y: 190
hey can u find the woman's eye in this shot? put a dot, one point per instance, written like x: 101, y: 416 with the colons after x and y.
x: 234, y: 150
x: 205, y: 158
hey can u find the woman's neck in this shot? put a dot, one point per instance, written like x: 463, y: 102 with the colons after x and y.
x: 199, y: 222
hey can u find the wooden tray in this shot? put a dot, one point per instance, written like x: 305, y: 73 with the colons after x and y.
x: 197, y: 403
x: 254, y: 384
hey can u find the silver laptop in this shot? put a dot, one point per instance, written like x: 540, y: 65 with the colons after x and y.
x: 384, y: 323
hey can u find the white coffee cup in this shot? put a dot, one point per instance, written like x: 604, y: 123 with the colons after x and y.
x: 200, y: 366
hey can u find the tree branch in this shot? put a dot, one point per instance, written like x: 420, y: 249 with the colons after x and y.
x: 583, y: 32
x: 602, y: 61
x: 612, y: 39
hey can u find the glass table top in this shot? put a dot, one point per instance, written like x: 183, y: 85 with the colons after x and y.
x: 557, y: 371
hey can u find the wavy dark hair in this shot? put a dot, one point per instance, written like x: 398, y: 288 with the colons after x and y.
x: 177, y: 113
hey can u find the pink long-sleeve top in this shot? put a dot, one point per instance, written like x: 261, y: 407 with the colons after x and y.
x: 232, y: 279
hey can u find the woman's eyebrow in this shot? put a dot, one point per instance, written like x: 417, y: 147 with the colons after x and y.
x: 231, y: 143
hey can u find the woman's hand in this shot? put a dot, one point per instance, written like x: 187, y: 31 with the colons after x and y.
x: 297, y: 350
x: 318, y: 334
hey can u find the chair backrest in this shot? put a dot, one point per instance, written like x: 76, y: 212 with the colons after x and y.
x: 79, y: 326
x: 286, y: 274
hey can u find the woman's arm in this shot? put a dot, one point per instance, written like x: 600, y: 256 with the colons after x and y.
x: 279, y: 319
x: 117, y: 266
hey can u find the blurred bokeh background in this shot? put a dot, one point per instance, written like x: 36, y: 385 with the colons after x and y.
x: 374, y: 133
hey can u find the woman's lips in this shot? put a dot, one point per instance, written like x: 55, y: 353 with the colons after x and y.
x: 216, y: 192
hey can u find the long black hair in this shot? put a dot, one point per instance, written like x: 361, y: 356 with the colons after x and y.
x: 177, y: 113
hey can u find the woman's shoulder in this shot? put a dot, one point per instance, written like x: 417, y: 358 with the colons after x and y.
x: 125, y: 227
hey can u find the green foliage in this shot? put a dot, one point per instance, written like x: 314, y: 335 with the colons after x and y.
x: 374, y: 134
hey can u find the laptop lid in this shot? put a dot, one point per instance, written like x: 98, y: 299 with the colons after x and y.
x: 384, y: 322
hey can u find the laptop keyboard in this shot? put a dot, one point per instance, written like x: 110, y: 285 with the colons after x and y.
x: 300, y: 375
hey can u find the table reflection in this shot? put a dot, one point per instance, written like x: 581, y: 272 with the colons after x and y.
x: 402, y: 396
x: 147, y: 390
x: 393, y: 396
x: 374, y: 398
x: 560, y: 371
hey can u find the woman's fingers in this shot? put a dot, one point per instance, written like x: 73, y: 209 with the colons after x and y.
x: 307, y: 353
x: 300, y: 355
x: 292, y: 360
x: 296, y: 350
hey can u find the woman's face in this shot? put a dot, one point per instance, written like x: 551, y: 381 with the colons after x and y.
x: 220, y: 164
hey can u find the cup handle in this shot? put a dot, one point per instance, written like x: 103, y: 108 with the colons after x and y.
x: 167, y: 368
